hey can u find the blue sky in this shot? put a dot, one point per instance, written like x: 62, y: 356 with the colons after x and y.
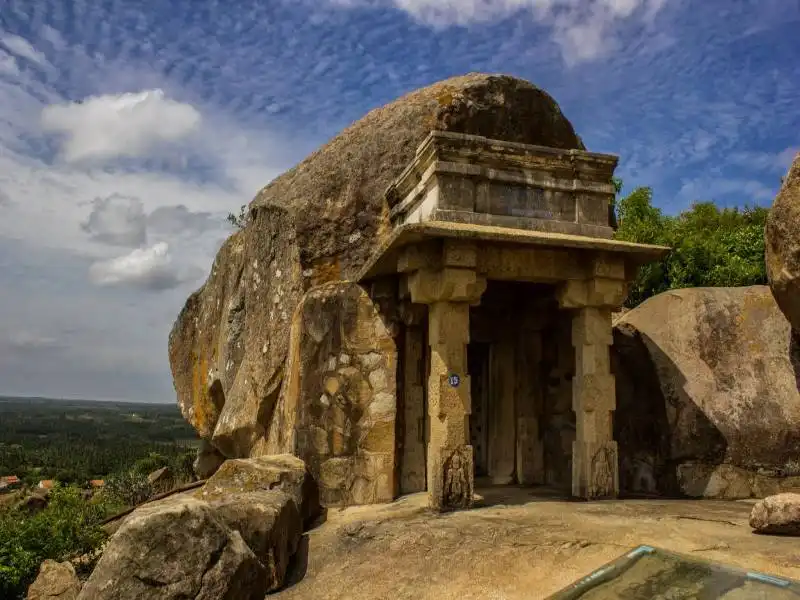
x: 129, y: 129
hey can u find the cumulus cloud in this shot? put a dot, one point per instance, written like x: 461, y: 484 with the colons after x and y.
x: 148, y: 268
x: 119, y: 125
x: 22, y: 48
x: 117, y: 220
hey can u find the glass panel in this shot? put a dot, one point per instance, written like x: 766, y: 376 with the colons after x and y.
x: 648, y: 573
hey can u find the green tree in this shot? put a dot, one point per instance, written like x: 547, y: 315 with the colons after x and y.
x: 711, y: 247
x: 69, y: 527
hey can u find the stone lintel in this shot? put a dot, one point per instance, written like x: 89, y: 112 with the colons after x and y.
x: 605, y: 265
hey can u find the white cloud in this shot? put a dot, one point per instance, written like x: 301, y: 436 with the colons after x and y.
x: 146, y: 268
x: 22, y: 48
x: 123, y: 125
x: 777, y: 162
x: 719, y: 190
x: 583, y: 29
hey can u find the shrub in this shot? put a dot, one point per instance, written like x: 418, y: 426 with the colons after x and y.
x: 69, y: 527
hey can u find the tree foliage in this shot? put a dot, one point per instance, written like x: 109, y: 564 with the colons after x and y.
x: 69, y: 527
x: 711, y: 246
x: 238, y: 221
x: 38, y: 439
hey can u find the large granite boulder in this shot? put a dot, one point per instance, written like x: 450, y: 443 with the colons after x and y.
x: 320, y: 222
x: 285, y: 473
x: 707, y: 395
x: 782, y: 236
x: 271, y: 526
x: 56, y: 581
x: 338, y: 405
x: 779, y: 514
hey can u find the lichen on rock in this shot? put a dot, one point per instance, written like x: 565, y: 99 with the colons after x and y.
x: 782, y: 250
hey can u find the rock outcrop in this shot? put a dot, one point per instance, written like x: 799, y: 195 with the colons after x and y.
x: 707, y: 395
x: 782, y: 236
x: 232, y: 538
x: 208, y: 460
x: 176, y: 550
x: 779, y: 514
x: 56, y: 581
x: 337, y: 408
x: 285, y: 473
x: 317, y: 223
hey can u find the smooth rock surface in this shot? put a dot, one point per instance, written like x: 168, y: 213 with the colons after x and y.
x: 518, y: 546
x: 778, y: 514
x: 707, y: 395
x: 782, y: 248
x: 56, y: 581
x: 320, y: 222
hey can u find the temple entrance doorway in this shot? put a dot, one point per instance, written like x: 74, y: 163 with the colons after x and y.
x: 511, y: 384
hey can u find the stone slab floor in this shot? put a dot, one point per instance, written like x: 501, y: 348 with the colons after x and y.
x: 517, y: 545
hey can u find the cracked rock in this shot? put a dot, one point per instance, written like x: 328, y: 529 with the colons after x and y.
x: 176, y: 550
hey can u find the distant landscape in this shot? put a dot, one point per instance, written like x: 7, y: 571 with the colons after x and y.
x: 74, y: 441
x: 67, y: 465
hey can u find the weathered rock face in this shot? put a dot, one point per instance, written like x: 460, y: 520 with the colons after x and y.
x: 338, y: 405
x: 286, y: 473
x: 173, y: 550
x: 269, y: 523
x: 779, y: 514
x: 208, y: 460
x: 317, y: 223
x: 782, y: 236
x: 56, y: 581
x: 707, y: 395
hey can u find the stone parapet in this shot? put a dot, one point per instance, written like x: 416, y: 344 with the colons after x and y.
x: 471, y: 179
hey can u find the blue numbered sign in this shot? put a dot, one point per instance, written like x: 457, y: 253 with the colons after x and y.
x: 454, y: 380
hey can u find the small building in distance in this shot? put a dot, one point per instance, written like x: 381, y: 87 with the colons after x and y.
x: 46, y: 484
x: 96, y: 483
x: 9, y: 482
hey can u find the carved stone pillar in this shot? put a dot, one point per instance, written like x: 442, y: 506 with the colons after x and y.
x: 447, y: 282
x: 595, y: 470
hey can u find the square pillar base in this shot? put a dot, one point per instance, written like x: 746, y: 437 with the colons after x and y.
x: 451, y: 478
x: 595, y: 470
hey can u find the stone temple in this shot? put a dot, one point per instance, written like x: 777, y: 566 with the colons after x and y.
x: 502, y: 266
